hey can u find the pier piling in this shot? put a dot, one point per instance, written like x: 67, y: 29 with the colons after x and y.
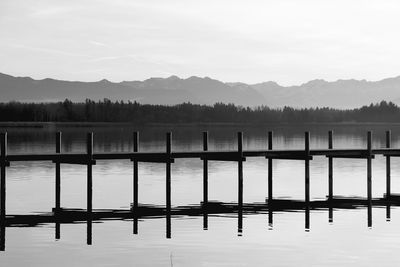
x: 307, y: 167
x: 388, y: 178
x: 89, y: 151
x: 270, y: 181
x: 4, y: 163
x: 307, y: 179
x: 388, y: 182
x: 369, y: 166
x: 135, y: 183
x: 168, y: 183
x: 205, y: 182
x: 240, y: 182
x: 58, y: 186
x: 270, y: 185
x: 58, y: 175
x: 330, y: 177
x: 3, y: 166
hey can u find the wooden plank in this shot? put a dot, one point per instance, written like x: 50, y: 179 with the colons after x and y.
x: 79, y: 158
x: 289, y: 157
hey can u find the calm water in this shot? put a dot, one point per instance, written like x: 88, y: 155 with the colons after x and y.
x: 346, y: 241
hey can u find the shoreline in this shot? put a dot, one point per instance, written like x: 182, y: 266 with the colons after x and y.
x: 12, y: 124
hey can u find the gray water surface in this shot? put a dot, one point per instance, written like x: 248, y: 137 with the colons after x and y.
x: 344, y: 242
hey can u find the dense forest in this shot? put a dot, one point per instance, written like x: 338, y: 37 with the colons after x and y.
x: 120, y: 111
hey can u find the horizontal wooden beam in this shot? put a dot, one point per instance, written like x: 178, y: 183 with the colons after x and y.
x: 289, y: 157
x: 155, y: 159
x: 351, y: 156
x: 77, y: 161
x: 208, y: 155
x: 223, y: 158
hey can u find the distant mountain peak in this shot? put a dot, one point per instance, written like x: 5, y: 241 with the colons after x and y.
x: 205, y: 90
x: 316, y: 82
x: 173, y: 78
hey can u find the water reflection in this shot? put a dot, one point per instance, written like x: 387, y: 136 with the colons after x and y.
x: 119, y: 139
x: 76, y: 216
x: 186, y: 139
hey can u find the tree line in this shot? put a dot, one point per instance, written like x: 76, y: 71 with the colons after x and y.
x: 134, y: 112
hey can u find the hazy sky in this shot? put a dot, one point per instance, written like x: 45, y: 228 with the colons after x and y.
x: 287, y: 41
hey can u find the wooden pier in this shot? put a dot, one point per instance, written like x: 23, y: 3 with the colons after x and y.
x: 168, y: 157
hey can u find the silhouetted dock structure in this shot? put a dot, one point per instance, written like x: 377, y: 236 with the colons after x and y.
x: 168, y: 157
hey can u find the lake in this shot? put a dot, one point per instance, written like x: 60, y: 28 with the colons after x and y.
x: 346, y: 241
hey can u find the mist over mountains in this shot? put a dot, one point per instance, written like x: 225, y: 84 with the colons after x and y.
x: 174, y: 90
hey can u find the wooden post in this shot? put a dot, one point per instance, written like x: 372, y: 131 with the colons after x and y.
x: 307, y: 167
x: 135, y: 183
x: 330, y: 177
x: 58, y: 186
x: 240, y: 182
x: 270, y: 173
x: 240, y: 169
x: 369, y: 177
x: 388, y: 179
x: 388, y: 182
x: 369, y: 166
x: 89, y: 145
x: 270, y: 181
x: 3, y: 166
x: 89, y: 148
x: 205, y: 183
x: 330, y: 166
x: 307, y: 179
x: 168, y: 183
x: 3, y: 163
x: 58, y: 174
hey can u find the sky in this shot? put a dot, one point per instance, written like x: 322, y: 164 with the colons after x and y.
x: 286, y: 41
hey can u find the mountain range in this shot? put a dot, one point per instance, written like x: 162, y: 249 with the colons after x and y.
x: 174, y: 90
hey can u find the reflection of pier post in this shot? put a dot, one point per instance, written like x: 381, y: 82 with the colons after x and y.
x: 4, y: 163
x: 135, y: 184
x: 240, y: 182
x: 168, y: 184
x: 58, y: 186
x: 270, y: 182
x: 330, y: 177
x: 388, y: 182
x: 307, y: 178
x: 2, y: 236
x: 89, y: 145
x: 205, y: 183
